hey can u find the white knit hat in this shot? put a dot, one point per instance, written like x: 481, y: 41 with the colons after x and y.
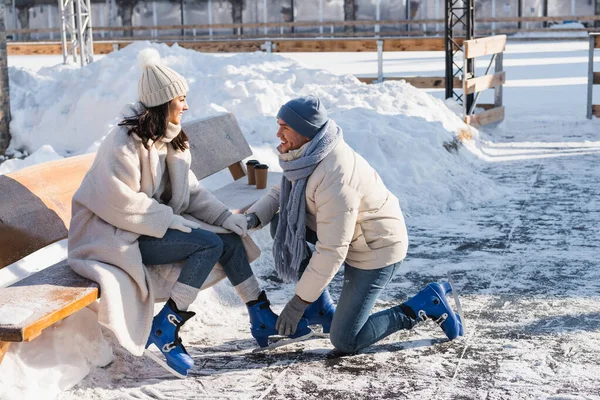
x: 158, y: 84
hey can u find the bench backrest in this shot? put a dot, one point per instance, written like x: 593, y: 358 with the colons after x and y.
x: 35, y: 202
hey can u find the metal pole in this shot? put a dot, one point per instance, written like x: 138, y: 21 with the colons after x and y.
x: 448, y: 41
x: 80, y: 33
x: 590, y: 88
x: 520, y: 12
x: 292, y: 12
x: 321, y: 16
x: 437, y: 15
x: 89, y: 35
x: 470, y: 63
x: 210, y: 19
x: 377, y: 16
x: 50, y: 22
x: 181, y: 3
x: 266, y: 30
x: 154, y: 19
x: 63, y: 29
x: 572, y: 7
x: 14, y: 14
x: 493, y: 16
x: 407, y: 8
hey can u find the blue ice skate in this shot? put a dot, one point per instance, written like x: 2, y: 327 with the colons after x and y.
x: 432, y: 303
x: 321, y: 311
x: 165, y: 336
x: 262, y: 324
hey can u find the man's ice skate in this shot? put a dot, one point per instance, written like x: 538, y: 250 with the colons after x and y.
x: 431, y: 303
x: 262, y: 322
x: 165, y: 337
x: 320, y: 312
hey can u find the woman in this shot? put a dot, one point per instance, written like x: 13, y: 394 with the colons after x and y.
x: 138, y: 206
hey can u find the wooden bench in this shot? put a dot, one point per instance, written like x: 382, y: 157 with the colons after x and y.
x: 35, y: 211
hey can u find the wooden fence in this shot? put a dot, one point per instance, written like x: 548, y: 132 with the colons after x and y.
x: 593, y: 78
x: 495, y: 46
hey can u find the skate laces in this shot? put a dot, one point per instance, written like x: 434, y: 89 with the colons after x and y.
x: 422, y: 317
x: 167, y: 347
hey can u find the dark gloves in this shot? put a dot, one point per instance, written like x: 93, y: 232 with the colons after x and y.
x: 290, y: 316
x: 252, y: 220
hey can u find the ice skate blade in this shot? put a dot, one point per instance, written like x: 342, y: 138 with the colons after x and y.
x: 283, y: 342
x: 459, y: 309
x: 162, y: 363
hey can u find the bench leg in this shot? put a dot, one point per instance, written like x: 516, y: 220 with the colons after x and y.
x: 3, y: 349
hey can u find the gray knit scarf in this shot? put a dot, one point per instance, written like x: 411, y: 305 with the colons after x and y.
x: 289, y: 248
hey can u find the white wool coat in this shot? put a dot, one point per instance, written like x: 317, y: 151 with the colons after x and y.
x: 356, y: 218
x: 111, y: 209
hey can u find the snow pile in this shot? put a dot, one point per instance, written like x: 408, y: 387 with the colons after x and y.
x: 55, y: 361
x: 575, y: 26
x: 399, y: 129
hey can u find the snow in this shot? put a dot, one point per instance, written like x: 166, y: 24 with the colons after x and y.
x: 512, y: 215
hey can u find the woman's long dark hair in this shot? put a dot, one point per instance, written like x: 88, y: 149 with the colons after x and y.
x: 152, y: 124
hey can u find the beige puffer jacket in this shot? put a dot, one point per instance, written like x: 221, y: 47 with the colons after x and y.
x: 356, y: 218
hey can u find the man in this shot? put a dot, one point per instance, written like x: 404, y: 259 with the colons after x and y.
x: 332, y: 197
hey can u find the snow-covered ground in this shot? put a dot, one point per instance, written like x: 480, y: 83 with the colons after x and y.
x: 513, y: 215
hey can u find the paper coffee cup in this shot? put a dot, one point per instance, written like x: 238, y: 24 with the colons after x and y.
x: 250, y: 167
x: 261, y: 171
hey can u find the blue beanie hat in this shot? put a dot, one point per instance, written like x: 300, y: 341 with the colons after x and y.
x: 305, y: 115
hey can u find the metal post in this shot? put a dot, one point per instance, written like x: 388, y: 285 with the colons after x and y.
x: 210, y: 19
x: 572, y: 8
x: 14, y: 14
x: 469, y: 34
x: 437, y: 15
x: 181, y: 4
x: 266, y: 30
x: 520, y: 12
x: 154, y: 19
x: 590, y: 88
x: 493, y: 16
x: 407, y: 8
x: 80, y: 33
x: 321, y: 16
x: 50, y: 21
x: 457, y: 12
x: 63, y: 29
x: 378, y: 16
x: 380, y: 61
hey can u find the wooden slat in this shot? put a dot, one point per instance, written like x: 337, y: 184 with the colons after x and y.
x: 239, y: 196
x: 237, y: 170
x: 35, y: 205
x: 481, y: 83
x: 216, y: 143
x: 486, y: 106
x: 596, y: 80
x: 3, y: 350
x: 240, y: 46
x: 422, y: 82
x: 41, y: 300
x: 486, y: 117
x: 484, y: 46
x: 597, y: 42
x: 596, y: 110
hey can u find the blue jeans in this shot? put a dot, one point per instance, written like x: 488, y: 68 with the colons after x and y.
x: 353, y: 327
x: 200, y: 250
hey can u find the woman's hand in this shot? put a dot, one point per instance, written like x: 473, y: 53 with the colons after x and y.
x: 236, y: 223
x: 182, y: 224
